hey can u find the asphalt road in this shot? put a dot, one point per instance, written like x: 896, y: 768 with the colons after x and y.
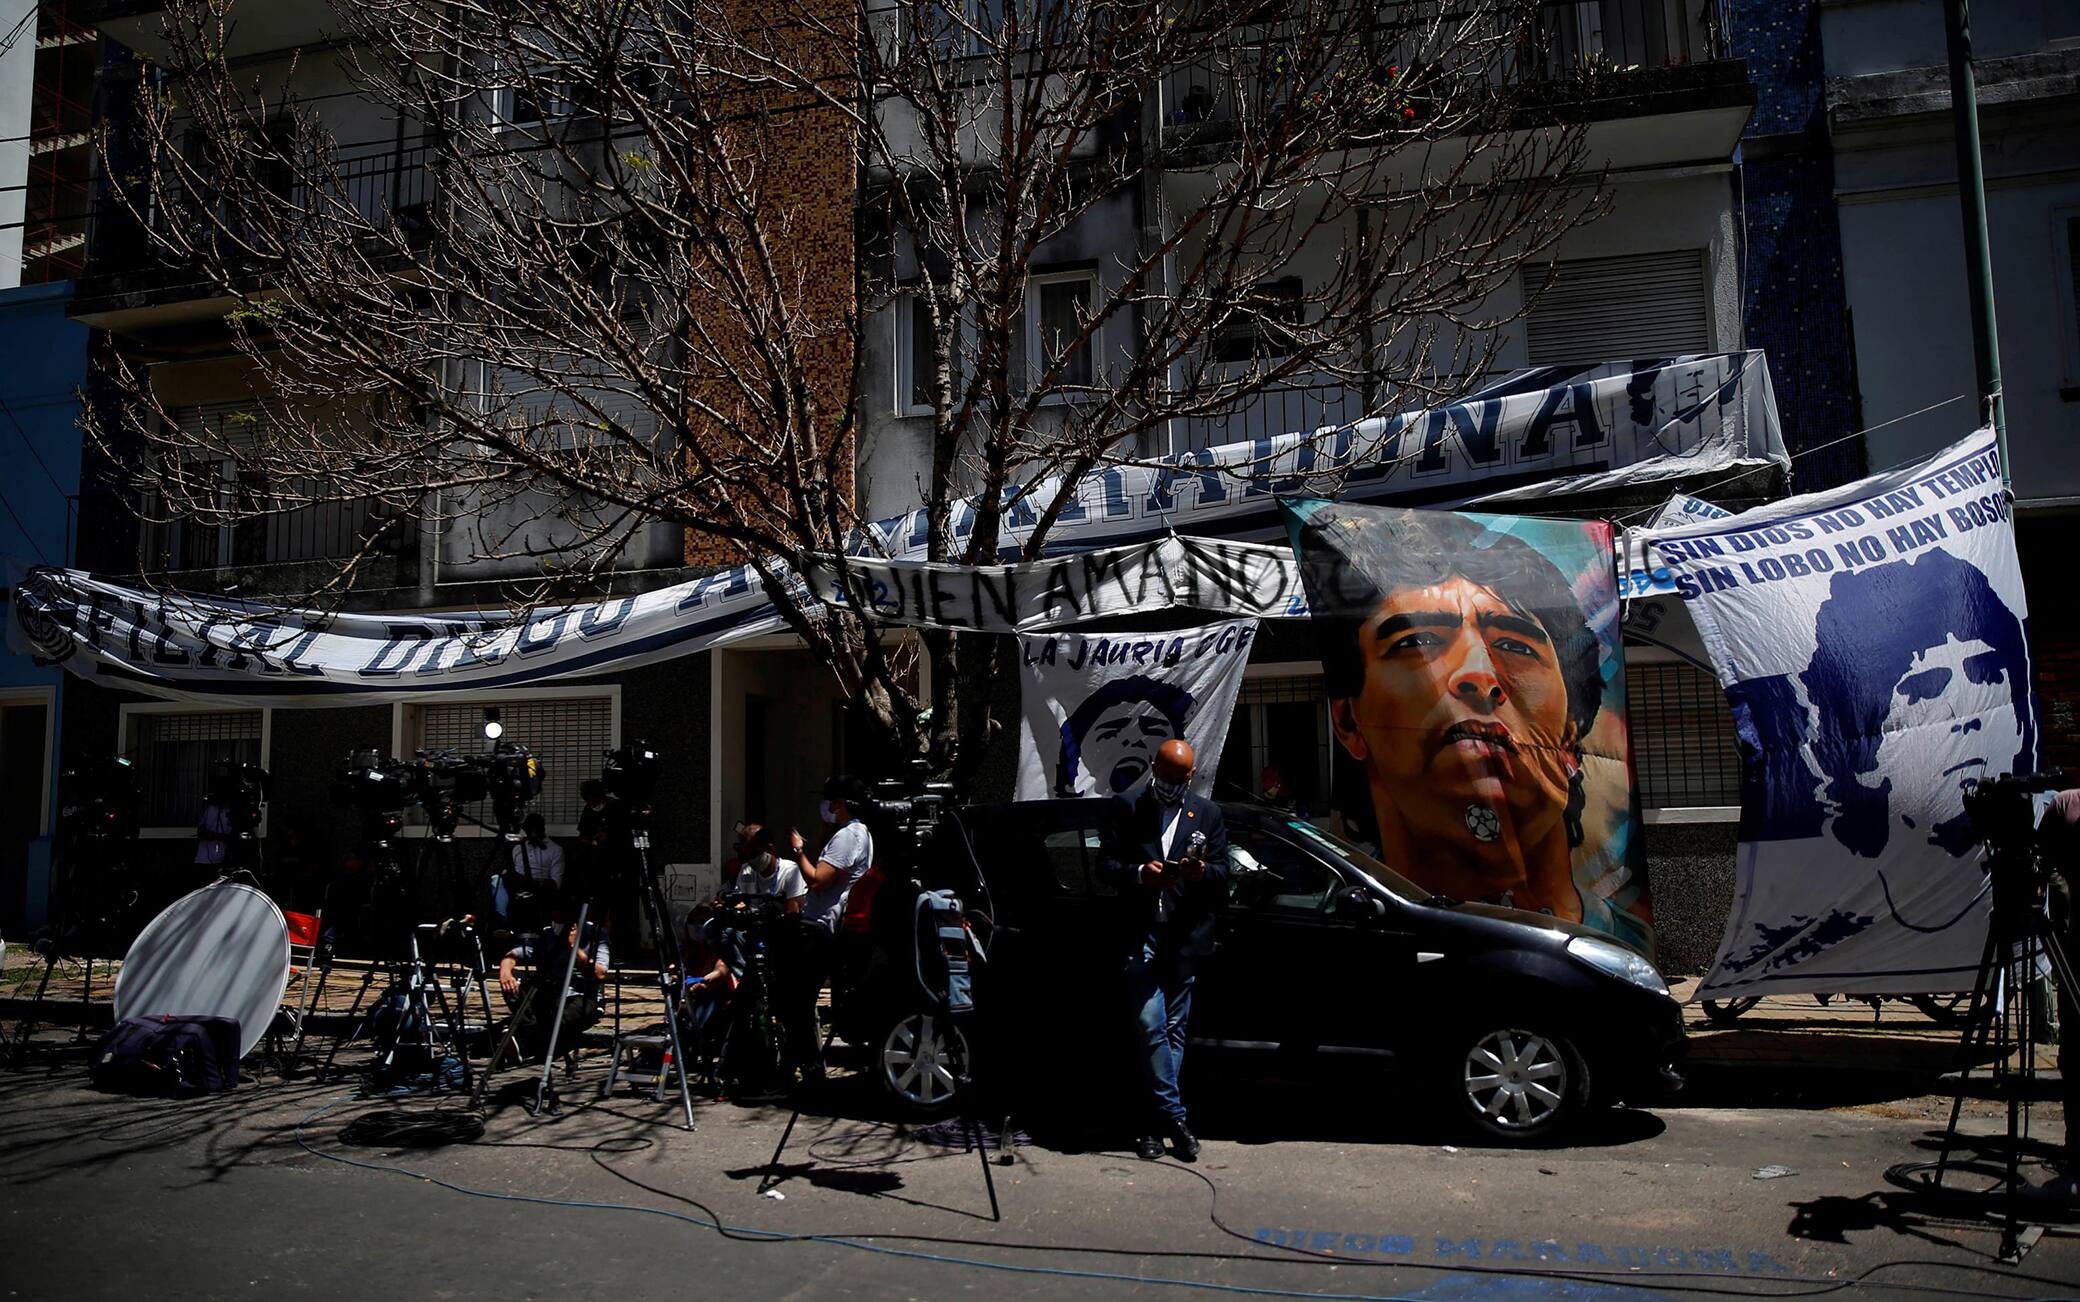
x: 292, y: 1189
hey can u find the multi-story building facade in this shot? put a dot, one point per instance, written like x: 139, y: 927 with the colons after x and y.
x: 754, y: 727
x: 46, y: 89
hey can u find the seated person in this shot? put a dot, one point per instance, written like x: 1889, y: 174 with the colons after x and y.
x: 709, y: 981
x: 763, y: 872
x: 550, y: 953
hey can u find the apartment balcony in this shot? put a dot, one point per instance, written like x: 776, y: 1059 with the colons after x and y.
x: 1284, y: 410
x: 1652, y: 78
x: 257, y: 27
x: 131, y: 281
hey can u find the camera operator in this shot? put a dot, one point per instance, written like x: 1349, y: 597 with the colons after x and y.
x: 845, y: 856
x: 2058, y: 837
x: 525, y: 893
x: 549, y: 952
x: 709, y: 980
x: 761, y: 870
x: 1166, y: 850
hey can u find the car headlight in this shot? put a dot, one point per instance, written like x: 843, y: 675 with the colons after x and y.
x: 1619, y: 961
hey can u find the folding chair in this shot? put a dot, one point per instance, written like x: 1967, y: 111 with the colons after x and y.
x: 309, y: 966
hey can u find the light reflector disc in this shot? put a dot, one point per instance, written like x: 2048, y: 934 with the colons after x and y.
x: 222, y: 951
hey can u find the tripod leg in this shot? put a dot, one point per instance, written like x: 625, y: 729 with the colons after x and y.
x: 86, y: 1000
x: 20, y: 1052
x: 367, y: 979
x: 545, y: 1089
x: 672, y: 987
x: 1975, y: 1036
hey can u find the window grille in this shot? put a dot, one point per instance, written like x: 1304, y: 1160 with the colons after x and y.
x: 1282, y: 721
x: 177, y: 756
x: 569, y: 735
x: 1683, y: 746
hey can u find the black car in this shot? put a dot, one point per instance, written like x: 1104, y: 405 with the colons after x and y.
x: 1327, y: 960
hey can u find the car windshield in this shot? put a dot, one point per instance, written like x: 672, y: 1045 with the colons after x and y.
x: 1364, y: 863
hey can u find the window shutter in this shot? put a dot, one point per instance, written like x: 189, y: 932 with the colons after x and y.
x: 1616, y: 309
x: 1683, y: 747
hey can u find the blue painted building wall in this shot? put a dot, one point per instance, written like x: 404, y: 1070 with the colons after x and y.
x: 43, y: 364
x: 1794, y: 302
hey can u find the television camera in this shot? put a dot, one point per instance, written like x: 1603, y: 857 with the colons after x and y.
x: 100, y: 801
x: 240, y: 788
x: 905, y: 811
x: 629, y: 779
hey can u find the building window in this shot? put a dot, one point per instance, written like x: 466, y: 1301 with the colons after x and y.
x: 914, y: 357
x: 1587, y: 310
x: 1280, y: 728
x: 541, y: 100
x: 1262, y: 325
x: 1062, y: 306
x: 569, y: 734
x: 1683, y: 747
x: 178, y: 753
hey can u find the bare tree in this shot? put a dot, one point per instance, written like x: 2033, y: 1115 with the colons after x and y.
x: 616, y: 301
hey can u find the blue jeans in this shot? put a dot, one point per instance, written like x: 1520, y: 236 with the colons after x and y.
x: 1159, y: 990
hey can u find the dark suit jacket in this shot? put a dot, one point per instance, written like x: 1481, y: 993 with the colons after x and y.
x: 1132, y: 837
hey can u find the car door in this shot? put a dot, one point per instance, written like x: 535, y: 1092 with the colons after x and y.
x: 1298, y: 969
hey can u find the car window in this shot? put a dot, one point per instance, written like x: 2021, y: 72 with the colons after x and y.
x: 1270, y: 872
x: 1065, y: 855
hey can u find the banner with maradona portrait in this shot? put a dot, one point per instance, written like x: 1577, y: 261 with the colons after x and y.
x: 1475, y: 671
x: 1872, y: 641
x: 1097, y: 706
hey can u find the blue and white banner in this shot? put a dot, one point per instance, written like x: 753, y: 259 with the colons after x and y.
x: 1536, y: 435
x: 1872, y: 643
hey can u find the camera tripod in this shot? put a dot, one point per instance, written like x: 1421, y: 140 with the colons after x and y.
x: 81, y: 924
x: 2017, y: 929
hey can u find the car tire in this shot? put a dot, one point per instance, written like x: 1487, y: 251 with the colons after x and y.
x: 1517, y: 1083
x: 922, y: 1062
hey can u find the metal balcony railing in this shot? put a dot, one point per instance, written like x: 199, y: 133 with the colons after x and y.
x: 388, y: 189
x: 1268, y: 414
x: 1563, y: 40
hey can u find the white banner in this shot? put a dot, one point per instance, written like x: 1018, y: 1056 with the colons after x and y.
x: 1549, y: 430
x: 1098, y: 706
x: 1191, y: 573
x: 1871, y: 640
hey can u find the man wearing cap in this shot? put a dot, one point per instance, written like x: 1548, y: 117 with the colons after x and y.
x: 848, y: 853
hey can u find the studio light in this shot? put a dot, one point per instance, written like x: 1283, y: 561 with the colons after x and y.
x: 493, y: 729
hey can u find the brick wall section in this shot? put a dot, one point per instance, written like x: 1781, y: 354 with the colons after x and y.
x: 804, y: 168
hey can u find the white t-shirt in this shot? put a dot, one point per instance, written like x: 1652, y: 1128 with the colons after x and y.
x: 545, y: 861
x: 851, y: 851
x: 785, y: 882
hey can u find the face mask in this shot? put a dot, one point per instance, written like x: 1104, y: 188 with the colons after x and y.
x: 762, y: 863
x: 823, y: 812
x: 1166, y: 791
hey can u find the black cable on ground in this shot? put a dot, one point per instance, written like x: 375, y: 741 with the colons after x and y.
x: 870, y: 1242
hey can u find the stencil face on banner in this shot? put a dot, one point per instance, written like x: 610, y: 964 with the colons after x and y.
x: 1872, y: 641
x: 1097, y: 707
x: 1474, y: 672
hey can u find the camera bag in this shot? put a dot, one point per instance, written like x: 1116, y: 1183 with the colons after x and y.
x: 167, y: 1054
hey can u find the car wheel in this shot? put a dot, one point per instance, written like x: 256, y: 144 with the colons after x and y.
x: 1520, y: 1085
x: 921, y: 1061
x: 1727, y: 1011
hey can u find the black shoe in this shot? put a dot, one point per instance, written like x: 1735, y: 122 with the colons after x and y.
x: 1182, y: 1143
x: 1148, y: 1148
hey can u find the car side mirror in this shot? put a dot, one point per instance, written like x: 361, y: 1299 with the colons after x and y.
x: 1359, y: 903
